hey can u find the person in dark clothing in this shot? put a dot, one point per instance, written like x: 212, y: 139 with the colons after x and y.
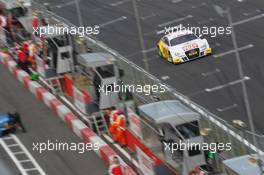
x: 22, y: 60
x: 16, y: 120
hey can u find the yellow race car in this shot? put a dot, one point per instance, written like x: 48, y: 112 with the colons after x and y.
x: 181, y: 46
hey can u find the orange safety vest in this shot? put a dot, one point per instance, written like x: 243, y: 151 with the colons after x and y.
x: 113, y: 121
x: 120, y: 135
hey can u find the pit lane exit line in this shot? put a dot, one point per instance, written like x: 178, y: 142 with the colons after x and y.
x: 227, y: 84
x: 232, y: 51
x: 113, y: 21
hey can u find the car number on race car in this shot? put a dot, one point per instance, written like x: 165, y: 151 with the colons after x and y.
x: 190, y: 47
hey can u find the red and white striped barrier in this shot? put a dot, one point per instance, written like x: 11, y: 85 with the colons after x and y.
x: 77, y: 126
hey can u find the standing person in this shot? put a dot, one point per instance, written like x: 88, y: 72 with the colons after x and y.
x: 35, y: 22
x: 115, y: 168
x: 33, y: 48
x: 22, y: 60
x: 16, y: 120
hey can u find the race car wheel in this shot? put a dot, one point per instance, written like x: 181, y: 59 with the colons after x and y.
x: 170, y: 58
x: 159, y: 52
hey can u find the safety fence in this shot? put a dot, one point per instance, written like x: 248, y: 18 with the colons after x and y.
x: 221, y: 131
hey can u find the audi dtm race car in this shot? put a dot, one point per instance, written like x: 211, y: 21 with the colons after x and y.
x: 181, y: 46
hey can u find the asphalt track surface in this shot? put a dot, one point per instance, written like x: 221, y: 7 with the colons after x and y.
x: 7, y: 167
x: 192, y: 79
x: 42, y: 125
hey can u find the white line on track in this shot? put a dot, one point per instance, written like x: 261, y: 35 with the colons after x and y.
x: 176, y: 1
x: 166, y: 77
x: 233, y: 51
x: 248, y: 19
x: 227, y: 108
x: 150, y: 33
x: 198, y: 6
x: 149, y: 50
x: 175, y: 21
x: 252, y: 13
x: 206, y: 21
x: 113, y: 21
x: 22, y: 150
x: 148, y: 16
x: 227, y: 84
x: 205, y: 74
x: 119, y: 3
x: 65, y: 4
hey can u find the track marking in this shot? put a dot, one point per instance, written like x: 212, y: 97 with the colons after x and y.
x: 65, y: 4
x: 248, y: 19
x: 233, y: 51
x: 227, y: 84
x: 227, y: 108
x: 148, y: 16
x: 206, y: 21
x: 113, y: 21
x: 149, y: 50
x: 166, y: 77
x: 252, y: 13
x: 205, y: 74
x: 23, y: 150
x: 175, y: 21
x: 198, y: 6
x: 150, y: 33
x: 119, y: 3
x: 176, y: 1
